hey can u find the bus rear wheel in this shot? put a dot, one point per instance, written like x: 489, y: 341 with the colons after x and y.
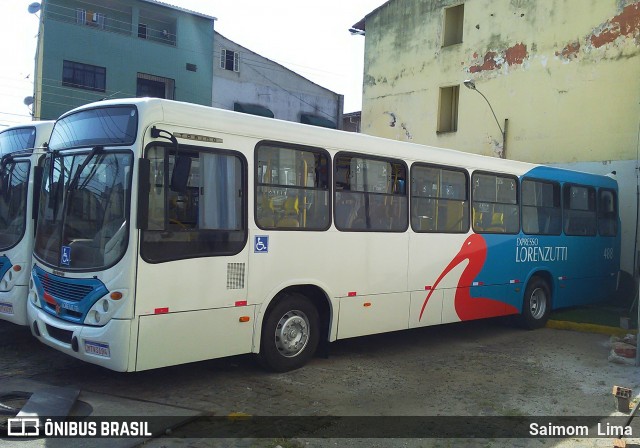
x: 290, y: 334
x: 537, y: 304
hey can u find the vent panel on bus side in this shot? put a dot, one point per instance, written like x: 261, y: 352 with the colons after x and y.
x: 235, y: 275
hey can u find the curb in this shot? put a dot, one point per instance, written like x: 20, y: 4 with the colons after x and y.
x: 589, y: 328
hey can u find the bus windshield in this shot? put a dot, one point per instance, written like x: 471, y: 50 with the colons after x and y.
x: 17, y: 139
x: 83, y: 217
x: 14, y: 182
x: 106, y: 126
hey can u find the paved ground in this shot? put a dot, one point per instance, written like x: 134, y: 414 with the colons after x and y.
x: 472, y: 369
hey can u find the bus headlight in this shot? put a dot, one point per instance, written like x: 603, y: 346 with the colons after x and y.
x: 10, y: 277
x: 103, y: 310
x: 94, y: 316
x: 6, y: 283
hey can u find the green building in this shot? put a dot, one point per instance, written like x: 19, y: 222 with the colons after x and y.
x: 91, y: 50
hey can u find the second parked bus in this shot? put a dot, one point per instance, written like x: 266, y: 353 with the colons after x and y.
x: 19, y: 175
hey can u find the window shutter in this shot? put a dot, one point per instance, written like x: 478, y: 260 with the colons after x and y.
x: 81, y: 16
x: 236, y: 61
x: 223, y: 58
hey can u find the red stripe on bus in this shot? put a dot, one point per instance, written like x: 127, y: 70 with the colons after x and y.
x: 161, y: 311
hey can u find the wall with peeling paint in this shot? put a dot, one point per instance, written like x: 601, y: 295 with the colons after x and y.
x: 566, y: 74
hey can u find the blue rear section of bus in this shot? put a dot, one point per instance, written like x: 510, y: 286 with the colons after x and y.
x: 579, y: 269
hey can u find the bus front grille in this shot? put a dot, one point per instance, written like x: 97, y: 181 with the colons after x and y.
x: 68, y: 291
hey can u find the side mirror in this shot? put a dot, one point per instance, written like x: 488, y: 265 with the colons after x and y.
x: 180, y: 174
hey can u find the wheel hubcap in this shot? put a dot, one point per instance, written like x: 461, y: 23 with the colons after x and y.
x: 292, y: 333
x: 538, y: 303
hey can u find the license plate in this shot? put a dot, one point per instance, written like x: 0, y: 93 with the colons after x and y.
x: 6, y: 308
x: 97, y: 348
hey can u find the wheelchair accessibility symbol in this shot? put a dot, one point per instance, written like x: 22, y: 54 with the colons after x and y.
x: 65, y: 256
x: 261, y: 244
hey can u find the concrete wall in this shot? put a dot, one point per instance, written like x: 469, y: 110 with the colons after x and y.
x: 121, y: 52
x: 563, y: 72
x: 263, y: 82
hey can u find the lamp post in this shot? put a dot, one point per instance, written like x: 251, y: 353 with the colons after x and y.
x: 470, y: 84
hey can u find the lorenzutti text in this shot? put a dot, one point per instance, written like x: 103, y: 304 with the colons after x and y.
x: 528, y: 249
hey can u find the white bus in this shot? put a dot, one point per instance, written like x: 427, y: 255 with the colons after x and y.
x: 170, y: 233
x: 18, y: 181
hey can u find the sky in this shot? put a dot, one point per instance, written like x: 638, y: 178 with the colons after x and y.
x: 311, y: 38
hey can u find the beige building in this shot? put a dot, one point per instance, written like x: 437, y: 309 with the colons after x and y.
x: 564, y: 73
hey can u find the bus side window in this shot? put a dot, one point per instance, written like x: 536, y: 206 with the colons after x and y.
x: 376, y: 188
x: 541, y: 209
x: 495, y: 203
x: 579, y: 208
x: 208, y: 217
x: 439, y: 199
x: 292, y: 188
x: 607, y: 213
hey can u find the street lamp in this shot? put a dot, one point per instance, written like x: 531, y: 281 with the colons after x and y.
x: 470, y: 84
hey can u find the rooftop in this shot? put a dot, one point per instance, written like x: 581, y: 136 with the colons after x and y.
x: 178, y: 8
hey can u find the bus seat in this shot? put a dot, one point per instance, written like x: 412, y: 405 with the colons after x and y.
x: 454, y: 216
x: 266, y: 215
x: 291, y: 205
x: 266, y: 221
x: 477, y: 220
x: 288, y: 221
x: 497, y: 223
x: 291, y: 211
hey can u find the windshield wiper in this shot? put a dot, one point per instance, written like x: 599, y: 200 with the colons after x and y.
x: 76, y: 177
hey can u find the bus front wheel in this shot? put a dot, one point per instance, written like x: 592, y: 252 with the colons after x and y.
x: 537, y: 304
x: 290, y: 333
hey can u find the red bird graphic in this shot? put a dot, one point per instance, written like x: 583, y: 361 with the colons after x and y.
x: 474, y: 249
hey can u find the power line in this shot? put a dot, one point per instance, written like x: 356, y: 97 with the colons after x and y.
x: 297, y: 97
x: 15, y: 115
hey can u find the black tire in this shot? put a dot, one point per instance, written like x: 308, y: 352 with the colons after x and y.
x: 536, y: 305
x: 290, y: 333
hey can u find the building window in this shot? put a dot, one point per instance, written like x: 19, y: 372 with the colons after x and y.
x: 448, y: 109
x: 453, y: 25
x: 154, y: 86
x: 230, y: 60
x: 84, y: 76
x: 142, y: 30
